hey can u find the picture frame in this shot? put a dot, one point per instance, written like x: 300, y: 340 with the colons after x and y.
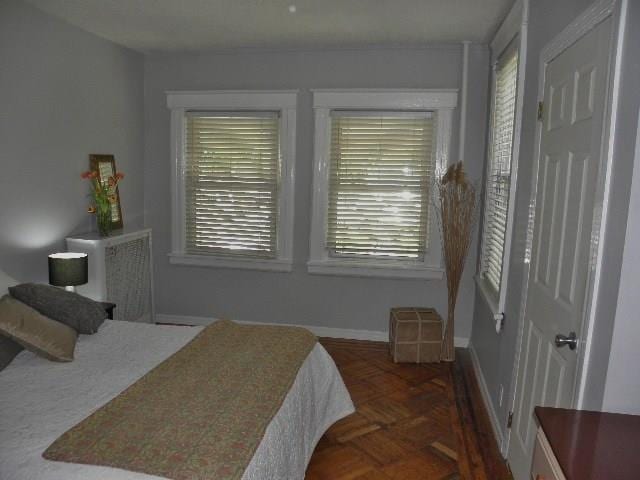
x: 105, y: 166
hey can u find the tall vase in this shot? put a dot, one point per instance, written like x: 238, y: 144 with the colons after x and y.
x: 103, y: 220
x: 456, y: 214
x: 448, y: 352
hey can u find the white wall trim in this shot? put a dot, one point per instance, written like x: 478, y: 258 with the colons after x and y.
x: 515, y: 25
x: 346, y: 333
x: 398, y: 99
x: 324, y: 101
x: 592, y: 16
x: 491, y: 300
x: 509, y: 28
x: 589, y: 19
x: 283, y: 101
x: 488, y: 404
x: 270, y: 265
x: 232, y: 99
x: 351, y: 268
x: 605, y: 10
x: 462, y: 134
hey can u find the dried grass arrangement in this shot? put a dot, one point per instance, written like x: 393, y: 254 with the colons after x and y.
x: 456, y: 211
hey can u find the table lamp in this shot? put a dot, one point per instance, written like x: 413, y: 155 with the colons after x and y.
x: 68, y: 269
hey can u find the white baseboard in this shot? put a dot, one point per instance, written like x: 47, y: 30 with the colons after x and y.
x: 371, y: 335
x: 484, y: 391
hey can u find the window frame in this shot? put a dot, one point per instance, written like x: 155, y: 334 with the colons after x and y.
x: 282, y: 101
x: 511, y: 36
x: 439, y: 101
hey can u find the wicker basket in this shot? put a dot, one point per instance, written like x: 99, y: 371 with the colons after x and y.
x: 415, y: 335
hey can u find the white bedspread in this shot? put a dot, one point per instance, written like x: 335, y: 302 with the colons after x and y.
x: 40, y: 400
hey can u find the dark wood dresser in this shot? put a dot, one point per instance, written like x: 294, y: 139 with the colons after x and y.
x: 583, y: 445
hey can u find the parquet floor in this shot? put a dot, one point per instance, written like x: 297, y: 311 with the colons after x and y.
x: 412, y: 422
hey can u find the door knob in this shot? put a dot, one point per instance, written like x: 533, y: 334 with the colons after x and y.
x: 571, y: 340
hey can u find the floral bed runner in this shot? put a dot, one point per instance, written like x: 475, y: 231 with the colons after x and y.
x: 200, y: 414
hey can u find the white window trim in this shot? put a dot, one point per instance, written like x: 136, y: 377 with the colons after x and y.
x: 284, y: 101
x: 442, y: 102
x: 514, y: 25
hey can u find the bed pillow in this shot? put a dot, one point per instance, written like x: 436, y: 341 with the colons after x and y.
x: 80, y: 313
x: 35, y: 332
x: 8, y: 350
x: 5, y: 282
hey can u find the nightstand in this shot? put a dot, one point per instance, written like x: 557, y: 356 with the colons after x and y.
x: 583, y: 445
x: 108, y: 307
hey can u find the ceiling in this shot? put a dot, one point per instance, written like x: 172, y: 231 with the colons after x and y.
x: 155, y: 26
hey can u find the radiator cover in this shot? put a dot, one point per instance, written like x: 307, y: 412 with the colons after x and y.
x: 120, y: 271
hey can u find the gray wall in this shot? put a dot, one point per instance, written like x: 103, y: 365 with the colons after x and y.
x: 622, y: 388
x: 496, y: 352
x: 65, y: 94
x: 602, y: 349
x: 297, y: 297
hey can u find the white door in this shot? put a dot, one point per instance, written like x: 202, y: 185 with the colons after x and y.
x: 570, y: 153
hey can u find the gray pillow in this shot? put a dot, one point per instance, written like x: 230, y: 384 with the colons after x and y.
x: 80, y: 313
x: 8, y: 350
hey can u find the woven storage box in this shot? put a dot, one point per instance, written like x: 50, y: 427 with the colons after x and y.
x: 415, y: 335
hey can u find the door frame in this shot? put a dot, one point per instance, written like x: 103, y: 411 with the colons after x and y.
x: 598, y: 12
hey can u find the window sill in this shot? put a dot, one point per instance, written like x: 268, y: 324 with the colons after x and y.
x: 372, y: 269
x: 268, y: 265
x: 491, y: 301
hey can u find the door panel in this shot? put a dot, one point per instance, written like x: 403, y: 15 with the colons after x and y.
x: 575, y: 190
x: 570, y: 151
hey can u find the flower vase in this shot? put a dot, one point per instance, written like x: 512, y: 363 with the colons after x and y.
x: 103, y: 219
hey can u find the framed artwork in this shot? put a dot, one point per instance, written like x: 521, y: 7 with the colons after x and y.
x: 105, y: 166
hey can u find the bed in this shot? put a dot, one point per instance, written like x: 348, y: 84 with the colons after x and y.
x: 40, y: 400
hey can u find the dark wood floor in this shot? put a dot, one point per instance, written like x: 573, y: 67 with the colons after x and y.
x: 412, y: 422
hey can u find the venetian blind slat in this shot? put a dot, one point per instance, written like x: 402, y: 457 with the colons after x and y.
x: 499, y: 178
x: 231, y: 184
x: 380, y: 171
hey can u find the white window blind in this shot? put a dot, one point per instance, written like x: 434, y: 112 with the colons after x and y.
x: 231, y: 183
x: 499, y: 173
x: 381, y: 165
